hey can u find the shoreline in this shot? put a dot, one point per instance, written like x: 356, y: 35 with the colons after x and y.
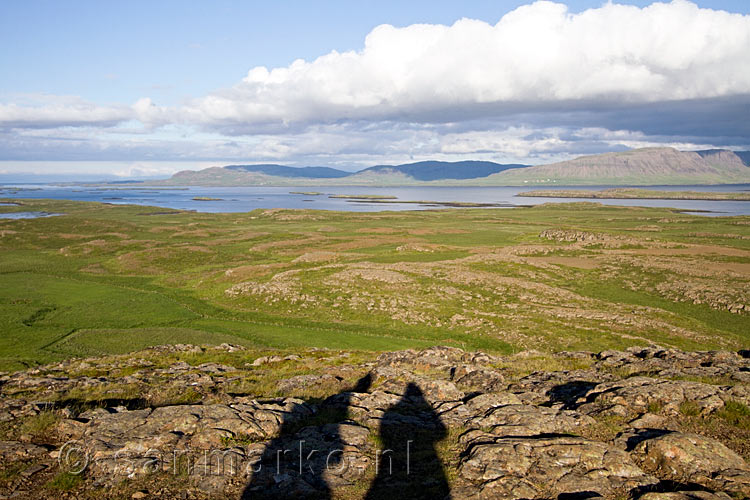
x: 637, y: 194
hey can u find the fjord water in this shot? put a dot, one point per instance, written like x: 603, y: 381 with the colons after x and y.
x: 25, y: 215
x: 245, y: 199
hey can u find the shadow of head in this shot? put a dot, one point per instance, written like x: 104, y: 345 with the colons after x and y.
x: 363, y: 384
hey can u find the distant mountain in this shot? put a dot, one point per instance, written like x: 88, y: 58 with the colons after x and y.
x: 384, y: 175
x: 283, y: 171
x: 647, y: 166
x: 438, y: 170
x: 724, y: 155
x: 744, y: 156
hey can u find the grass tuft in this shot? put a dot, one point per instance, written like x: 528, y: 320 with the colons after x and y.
x: 735, y: 413
x: 64, y: 481
x: 40, y: 424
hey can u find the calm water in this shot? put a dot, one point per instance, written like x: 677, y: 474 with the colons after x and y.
x: 26, y: 215
x: 244, y: 199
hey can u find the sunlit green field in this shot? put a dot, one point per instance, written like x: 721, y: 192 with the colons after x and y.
x: 111, y: 279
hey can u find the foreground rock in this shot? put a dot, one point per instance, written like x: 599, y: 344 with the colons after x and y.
x: 690, y: 458
x: 547, y: 467
x: 409, y: 424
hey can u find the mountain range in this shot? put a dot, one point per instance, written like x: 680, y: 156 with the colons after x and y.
x: 421, y: 171
x: 645, y: 166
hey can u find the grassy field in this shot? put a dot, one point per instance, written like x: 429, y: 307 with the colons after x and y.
x: 637, y: 194
x: 105, y: 279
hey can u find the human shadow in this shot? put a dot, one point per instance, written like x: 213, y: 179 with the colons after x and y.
x: 408, y: 465
x: 292, y: 465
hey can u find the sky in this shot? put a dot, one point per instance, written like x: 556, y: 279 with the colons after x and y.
x: 143, y: 88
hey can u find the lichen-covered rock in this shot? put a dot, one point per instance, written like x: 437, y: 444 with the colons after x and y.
x: 117, y: 439
x: 433, y: 357
x: 436, y: 391
x: 301, y: 382
x: 310, y: 463
x: 12, y: 409
x: 673, y: 362
x: 563, y: 387
x: 685, y: 495
x: 477, y: 430
x: 636, y: 395
x: 474, y: 377
x: 368, y: 409
x: 528, y: 420
x: 691, y: 458
x: 546, y: 467
x: 464, y: 412
x: 15, y: 450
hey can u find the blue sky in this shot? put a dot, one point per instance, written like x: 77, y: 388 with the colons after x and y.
x: 157, y: 86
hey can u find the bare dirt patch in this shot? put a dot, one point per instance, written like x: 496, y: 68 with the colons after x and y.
x: 365, y: 243
x: 425, y: 232
x: 379, y: 230
x: 323, y: 256
x: 370, y: 274
x: 691, y: 250
x: 578, y: 262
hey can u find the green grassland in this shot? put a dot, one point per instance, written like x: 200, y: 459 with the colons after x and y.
x: 637, y: 194
x: 109, y: 279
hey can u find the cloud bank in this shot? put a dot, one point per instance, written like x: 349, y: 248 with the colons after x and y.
x: 540, y: 82
x: 50, y: 111
x: 537, y: 56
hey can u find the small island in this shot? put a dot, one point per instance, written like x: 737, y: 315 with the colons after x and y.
x: 206, y: 198
x: 637, y: 194
x: 307, y: 193
x: 363, y: 196
x: 455, y: 204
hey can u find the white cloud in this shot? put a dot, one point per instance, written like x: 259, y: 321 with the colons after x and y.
x: 51, y: 111
x: 535, y: 55
x: 540, y: 85
x: 148, y: 113
x: 155, y: 169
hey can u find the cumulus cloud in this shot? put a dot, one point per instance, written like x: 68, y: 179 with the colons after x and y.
x: 541, y: 84
x: 538, y: 55
x: 150, y: 114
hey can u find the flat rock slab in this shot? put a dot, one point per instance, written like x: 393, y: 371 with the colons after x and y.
x: 522, y: 420
x: 473, y: 428
x: 685, y: 495
x: 121, y: 442
x: 636, y: 394
x: 546, y: 467
x: 691, y: 458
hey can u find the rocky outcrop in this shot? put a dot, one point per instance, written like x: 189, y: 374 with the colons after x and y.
x: 408, y: 424
x: 547, y: 467
x: 690, y: 458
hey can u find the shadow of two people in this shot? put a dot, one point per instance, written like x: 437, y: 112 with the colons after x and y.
x: 407, y: 464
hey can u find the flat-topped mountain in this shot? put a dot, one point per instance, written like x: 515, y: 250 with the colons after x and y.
x: 441, y: 170
x: 283, y: 171
x: 647, y: 166
x: 638, y: 167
